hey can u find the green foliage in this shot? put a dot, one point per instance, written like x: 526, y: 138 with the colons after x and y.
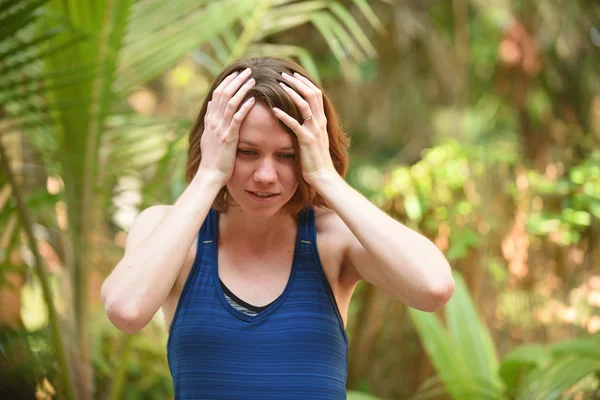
x: 465, y: 359
x: 355, y: 395
x: 26, y: 360
x: 463, y: 354
x: 130, y: 366
x: 68, y: 68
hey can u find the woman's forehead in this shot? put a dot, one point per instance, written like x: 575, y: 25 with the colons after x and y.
x: 262, y: 129
x: 280, y: 140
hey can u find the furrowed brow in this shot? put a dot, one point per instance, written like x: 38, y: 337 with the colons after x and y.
x: 251, y: 143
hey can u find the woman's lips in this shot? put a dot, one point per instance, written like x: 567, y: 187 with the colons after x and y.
x: 262, y: 198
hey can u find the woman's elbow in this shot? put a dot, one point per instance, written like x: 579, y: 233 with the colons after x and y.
x: 126, y: 318
x: 128, y: 321
x: 435, y: 297
x: 440, y: 294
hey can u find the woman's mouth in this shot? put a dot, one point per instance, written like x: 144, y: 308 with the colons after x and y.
x: 263, y: 196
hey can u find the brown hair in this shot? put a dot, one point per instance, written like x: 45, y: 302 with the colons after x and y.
x: 266, y: 71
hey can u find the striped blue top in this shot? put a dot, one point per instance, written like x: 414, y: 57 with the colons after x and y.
x: 296, y: 348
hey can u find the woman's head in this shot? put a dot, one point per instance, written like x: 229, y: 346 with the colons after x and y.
x: 266, y: 71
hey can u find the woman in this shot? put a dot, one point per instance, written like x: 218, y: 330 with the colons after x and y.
x: 267, y: 200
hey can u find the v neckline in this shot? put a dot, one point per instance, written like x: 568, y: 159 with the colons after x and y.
x: 273, y: 305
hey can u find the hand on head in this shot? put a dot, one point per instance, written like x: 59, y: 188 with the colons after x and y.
x: 222, y: 123
x: 297, y: 105
x: 312, y: 134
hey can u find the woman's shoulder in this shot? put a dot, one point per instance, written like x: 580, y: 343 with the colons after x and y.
x: 329, y: 223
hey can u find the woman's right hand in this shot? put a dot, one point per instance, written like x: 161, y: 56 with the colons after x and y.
x: 222, y: 123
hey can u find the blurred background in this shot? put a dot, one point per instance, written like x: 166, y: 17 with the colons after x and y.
x: 474, y: 122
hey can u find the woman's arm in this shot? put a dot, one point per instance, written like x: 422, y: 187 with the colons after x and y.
x: 161, y: 237
x: 156, y: 248
x: 379, y: 249
x: 384, y: 252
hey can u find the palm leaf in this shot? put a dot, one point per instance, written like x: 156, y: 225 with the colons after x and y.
x: 367, y: 11
x: 463, y: 355
x: 22, y: 53
x: 340, y: 38
x: 286, y: 51
x: 182, y: 32
x: 71, y: 66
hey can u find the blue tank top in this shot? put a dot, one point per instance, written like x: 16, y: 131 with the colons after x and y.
x: 294, y: 349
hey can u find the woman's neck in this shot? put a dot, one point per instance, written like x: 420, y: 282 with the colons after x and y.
x: 260, y: 233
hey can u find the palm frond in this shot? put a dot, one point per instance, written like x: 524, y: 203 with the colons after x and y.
x: 182, y: 32
x: 286, y: 51
x: 370, y: 15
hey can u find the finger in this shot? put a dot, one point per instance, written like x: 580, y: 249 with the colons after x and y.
x: 288, y: 121
x: 219, y: 89
x: 304, y: 107
x: 308, y: 94
x: 227, y: 93
x: 239, y: 116
x: 234, y: 103
x: 312, y: 86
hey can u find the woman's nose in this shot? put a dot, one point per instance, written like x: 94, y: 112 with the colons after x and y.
x: 265, y: 172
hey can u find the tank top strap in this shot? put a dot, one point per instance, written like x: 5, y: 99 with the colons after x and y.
x: 211, y: 226
x: 304, y: 225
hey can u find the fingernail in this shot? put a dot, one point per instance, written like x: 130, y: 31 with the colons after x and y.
x: 252, y: 99
x: 251, y: 82
x: 247, y: 70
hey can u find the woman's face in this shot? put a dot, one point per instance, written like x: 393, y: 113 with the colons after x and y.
x: 264, y: 174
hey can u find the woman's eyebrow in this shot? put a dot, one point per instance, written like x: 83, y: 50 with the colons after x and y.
x: 251, y: 143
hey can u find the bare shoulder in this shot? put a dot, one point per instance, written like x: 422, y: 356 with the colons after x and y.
x: 144, y: 224
x: 329, y: 223
x: 334, y: 236
x: 332, y: 240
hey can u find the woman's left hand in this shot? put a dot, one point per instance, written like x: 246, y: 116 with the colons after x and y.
x: 313, y: 139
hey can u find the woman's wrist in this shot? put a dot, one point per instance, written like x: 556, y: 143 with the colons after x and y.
x: 323, y: 179
x: 209, y: 180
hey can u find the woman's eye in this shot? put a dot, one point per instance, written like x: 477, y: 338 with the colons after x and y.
x: 288, y: 156
x: 245, y: 152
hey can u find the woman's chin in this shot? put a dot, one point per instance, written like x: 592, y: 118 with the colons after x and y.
x: 261, y: 207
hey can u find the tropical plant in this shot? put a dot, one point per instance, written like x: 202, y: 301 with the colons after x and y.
x: 467, y: 366
x: 68, y: 68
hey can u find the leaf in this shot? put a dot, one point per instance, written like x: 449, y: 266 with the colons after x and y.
x: 551, y: 382
x: 354, y: 395
x: 344, y: 15
x: 463, y: 355
x: 286, y: 51
x: 576, y: 217
x: 412, y: 207
x: 520, y: 360
x: 183, y: 32
x: 367, y: 11
x: 449, y: 367
x: 470, y: 336
x: 583, y: 347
